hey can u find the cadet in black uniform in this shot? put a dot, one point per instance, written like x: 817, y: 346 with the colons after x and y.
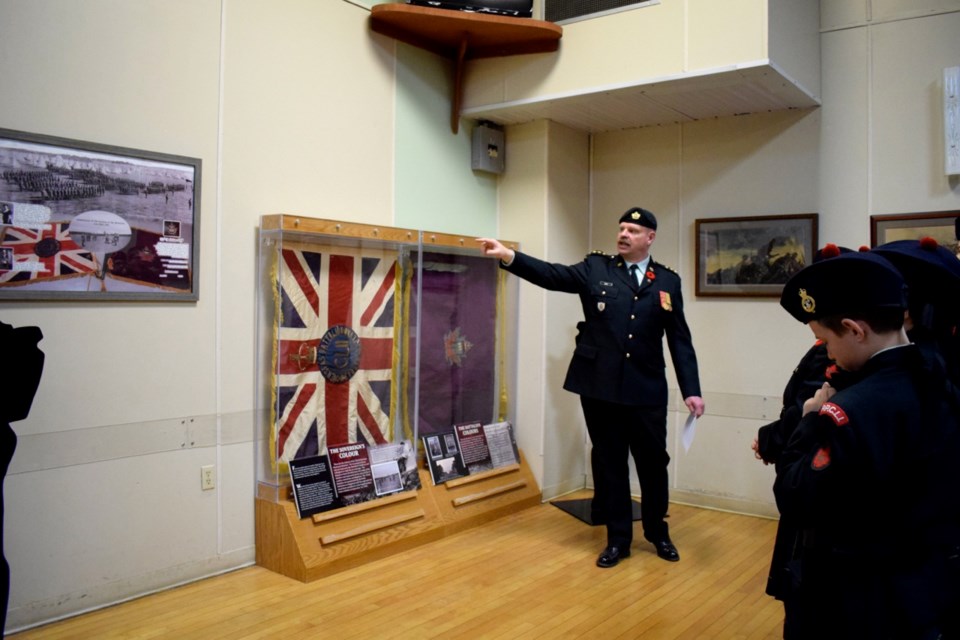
x: 870, y: 471
x: 814, y: 368
x: 629, y: 303
x: 932, y: 274
x: 20, y: 346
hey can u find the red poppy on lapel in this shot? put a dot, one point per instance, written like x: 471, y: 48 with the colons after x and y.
x: 650, y: 275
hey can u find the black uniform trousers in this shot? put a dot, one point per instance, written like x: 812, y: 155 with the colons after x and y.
x: 617, y: 430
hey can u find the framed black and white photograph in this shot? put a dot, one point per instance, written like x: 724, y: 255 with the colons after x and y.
x: 752, y: 256
x: 939, y: 225
x: 89, y: 221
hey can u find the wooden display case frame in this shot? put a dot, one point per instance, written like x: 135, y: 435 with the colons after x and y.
x: 329, y: 542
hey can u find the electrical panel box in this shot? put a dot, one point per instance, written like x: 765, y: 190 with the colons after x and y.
x: 488, y: 149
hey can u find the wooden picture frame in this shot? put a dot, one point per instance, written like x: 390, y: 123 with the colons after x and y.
x: 752, y: 256
x: 89, y: 221
x: 939, y: 225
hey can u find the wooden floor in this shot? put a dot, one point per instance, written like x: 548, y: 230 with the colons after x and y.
x: 528, y: 575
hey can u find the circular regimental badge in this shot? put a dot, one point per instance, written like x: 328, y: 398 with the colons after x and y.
x: 338, y: 354
x: 47, y: 247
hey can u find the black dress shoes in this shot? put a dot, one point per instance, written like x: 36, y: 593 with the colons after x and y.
x: 666, y: 550
x: 611, y: 556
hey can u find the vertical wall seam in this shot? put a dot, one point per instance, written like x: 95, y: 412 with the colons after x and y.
x: 218, y: 367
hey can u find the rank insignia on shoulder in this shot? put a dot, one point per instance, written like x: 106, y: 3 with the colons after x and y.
x: 663, y: 266
x: 835, y: 413
x: 665, y: 301
x: 597, y: 252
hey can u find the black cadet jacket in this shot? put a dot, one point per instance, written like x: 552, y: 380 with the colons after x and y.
x: 887, y: 440
x: 619, y: 349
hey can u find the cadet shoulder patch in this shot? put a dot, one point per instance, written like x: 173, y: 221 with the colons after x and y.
x: 821, y: 459
x: 835, y: 413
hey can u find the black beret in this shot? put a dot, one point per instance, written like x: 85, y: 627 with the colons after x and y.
x: 830, y: 250
x: 639, y: 216
x: 932, y: 272
x: 848, y: 283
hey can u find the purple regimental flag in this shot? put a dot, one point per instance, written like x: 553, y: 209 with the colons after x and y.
x: 457, y: 350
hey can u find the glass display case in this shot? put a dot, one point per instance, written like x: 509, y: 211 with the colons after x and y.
x: 373, y: 335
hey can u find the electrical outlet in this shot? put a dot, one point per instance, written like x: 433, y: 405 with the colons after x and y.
x: 208, y: 477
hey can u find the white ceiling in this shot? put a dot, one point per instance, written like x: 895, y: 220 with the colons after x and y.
x: 757, y: 89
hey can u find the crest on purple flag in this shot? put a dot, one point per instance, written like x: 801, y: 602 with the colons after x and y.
x: 457, y: 350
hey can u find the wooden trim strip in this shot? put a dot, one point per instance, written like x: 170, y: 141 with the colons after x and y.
x: 473, y: 497
x: 373, y: 526
x: 326, y: 516
x: 459, y: 482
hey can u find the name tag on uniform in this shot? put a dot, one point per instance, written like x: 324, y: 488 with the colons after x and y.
x: 665, y: 301
x: 606, y: 284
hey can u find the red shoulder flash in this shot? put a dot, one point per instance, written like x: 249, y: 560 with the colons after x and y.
x: 821, y: 459
x: 836, y: 414
x: 832, y: 369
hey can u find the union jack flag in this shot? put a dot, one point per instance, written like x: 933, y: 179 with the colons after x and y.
x: 335, y: 349
x: 44, y: 253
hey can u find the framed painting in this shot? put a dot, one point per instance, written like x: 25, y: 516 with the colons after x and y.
x: 942, y: 226
x: 752, y: 256
x: 89, y: 221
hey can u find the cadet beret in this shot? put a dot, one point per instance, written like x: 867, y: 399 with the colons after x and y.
x: 847, y: 283
x: 639, y: 216
x: 830, y: 250
x: 932, y: 272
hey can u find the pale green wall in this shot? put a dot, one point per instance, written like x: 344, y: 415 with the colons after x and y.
x: 436, y: 190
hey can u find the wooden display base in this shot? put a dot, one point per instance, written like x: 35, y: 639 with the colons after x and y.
x: 334, y: 541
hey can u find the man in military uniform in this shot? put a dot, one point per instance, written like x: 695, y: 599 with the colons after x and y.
x: 869, y: 474
x: 629, y: 303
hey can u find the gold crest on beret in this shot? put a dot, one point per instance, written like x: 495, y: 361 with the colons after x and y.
x: 807, y: 303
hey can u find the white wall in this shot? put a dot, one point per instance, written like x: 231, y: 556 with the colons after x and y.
x: 104, y: 488
x: 669, y: 39
x: 874, y: 147
x: 290, y: 106
x: 568, y: 240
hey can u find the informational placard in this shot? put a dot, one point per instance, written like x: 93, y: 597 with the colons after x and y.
x: 502, y: 444
x: 352, y: 473
x: 469, y: 449
x: 473, y: 447
x: 352, y: 476
x: 443, y: 457
x: 312, y: 483
x: 394, y: 467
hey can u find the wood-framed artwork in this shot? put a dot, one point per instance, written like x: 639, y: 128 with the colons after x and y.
x: 939, y: 225
x: 89, y: 221
x: 752, y: 256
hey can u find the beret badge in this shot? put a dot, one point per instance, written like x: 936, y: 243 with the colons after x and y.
x: 635, y: 215
x: 807, y: 303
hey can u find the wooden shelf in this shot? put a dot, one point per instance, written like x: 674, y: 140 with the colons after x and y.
x: 462, y: 35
